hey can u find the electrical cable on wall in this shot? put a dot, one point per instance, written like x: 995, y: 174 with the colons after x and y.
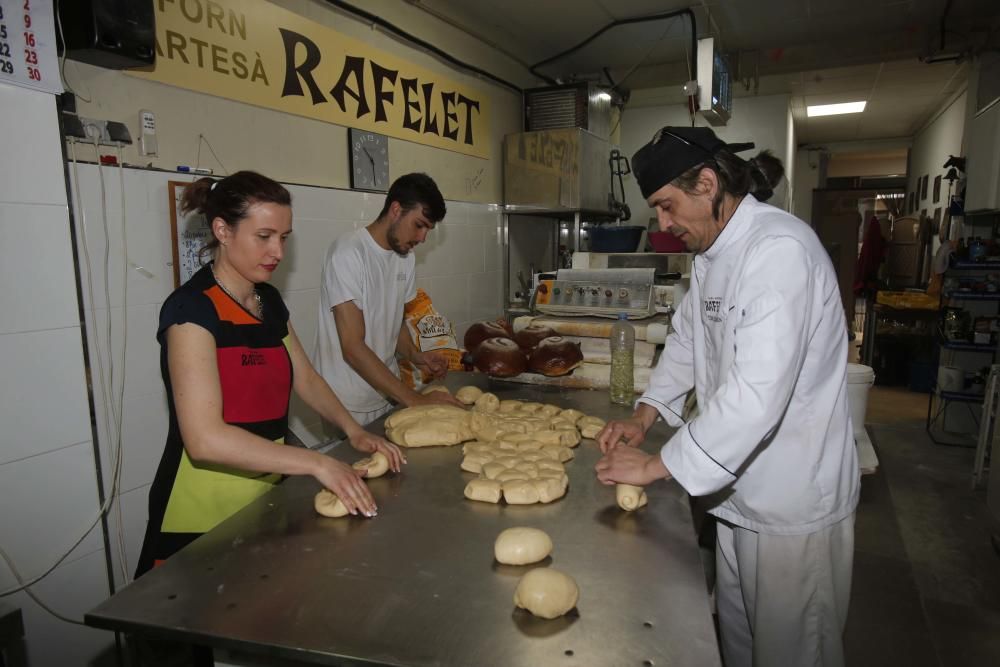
x: 692, y: 63
x: 62, y: 57
x: 427, y: 46
x: 105, y: 378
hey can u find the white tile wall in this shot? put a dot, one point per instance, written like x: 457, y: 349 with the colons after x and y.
x: 48, y: 481
x: 43, y: 396
x: 31, y: 168
x: 38, y: 274
x: 134, y: 513
x: 73, y: 589
x: 50, y: 500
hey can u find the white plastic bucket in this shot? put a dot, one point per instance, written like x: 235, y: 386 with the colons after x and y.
x: 859, y: 380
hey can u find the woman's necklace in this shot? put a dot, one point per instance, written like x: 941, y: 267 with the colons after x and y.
x: 256, y: 295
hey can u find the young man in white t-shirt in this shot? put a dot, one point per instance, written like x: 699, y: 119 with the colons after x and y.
x: 368, y: 278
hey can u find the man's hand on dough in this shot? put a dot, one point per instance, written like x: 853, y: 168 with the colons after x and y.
x: 437, y: 398
x: 433, y: 363
x: 346, y: 483
x: 628, y: 465
x: 629, y: 432
x: 369, y: 443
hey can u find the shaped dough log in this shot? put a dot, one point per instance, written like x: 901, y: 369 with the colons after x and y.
x: 487, y: 402
x: 431, y: 432
x: 521, y: 546
x: 435, y: 387
x: 549, y: 410
x: 421, y: 412
x: 630, y: 497
x: 374, y: 466
x: 546, y: 592
x: 510, y: 405
x: 328, y: 504
x: 484, y: 490
x: 468, y: 395
x: 519, y: 491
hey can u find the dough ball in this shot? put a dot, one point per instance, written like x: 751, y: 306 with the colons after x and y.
x: 549, y: 464
x: 549, y: 410
x: 557, y: 453
x: 374, y: 466
x: 519, y: 491
x: 429, y: 425
x: 630, y: 497
x: 571, y: 415
x: 492, y: 469
x: 546, y: 592
x: 529, y: 446
x: 487, y: 402
x: 511, y: 475
x: 521, y: 546
x: 563, y: 437
x: 531, y: 406
x: 509, y: 461
x: 435, y: 387
x: 474, y: 462
x: 483, y: 490
x: 531, y: 457
x: 469, y: 395
x: 506, y: 445
x: 328, y: 504
x: 530, y: 470
x: 509, y: 405
x: 590, y: 426
x: 550, y: 488
x: 477, y: 447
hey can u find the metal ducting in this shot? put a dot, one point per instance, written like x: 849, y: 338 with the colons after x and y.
x: 581, y: 105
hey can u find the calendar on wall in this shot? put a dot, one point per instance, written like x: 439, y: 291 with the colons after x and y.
x: 28, y: 45
x: 188, y: 235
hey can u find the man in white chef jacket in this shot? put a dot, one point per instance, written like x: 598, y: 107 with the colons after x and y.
x: 761, y: 338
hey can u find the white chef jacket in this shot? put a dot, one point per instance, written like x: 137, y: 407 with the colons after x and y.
x: 761, y: 337
x: 379, y: 282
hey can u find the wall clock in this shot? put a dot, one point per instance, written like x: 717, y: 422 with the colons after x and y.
x: 369, y: 154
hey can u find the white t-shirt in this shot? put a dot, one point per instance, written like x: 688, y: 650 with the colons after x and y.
x: 380, y: 283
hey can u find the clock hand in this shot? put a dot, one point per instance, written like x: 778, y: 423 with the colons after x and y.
x: 372, y: 160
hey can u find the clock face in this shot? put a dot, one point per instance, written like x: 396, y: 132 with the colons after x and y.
x: 369, y: 160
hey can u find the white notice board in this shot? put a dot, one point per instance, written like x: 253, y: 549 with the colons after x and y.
x: 28, y: 45
x: 188, y: 234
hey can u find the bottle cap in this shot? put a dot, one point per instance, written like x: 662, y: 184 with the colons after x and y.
x: 623, y: 316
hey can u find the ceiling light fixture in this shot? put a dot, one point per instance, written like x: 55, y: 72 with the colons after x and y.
x: 604, y: 96
x: 835, y: 109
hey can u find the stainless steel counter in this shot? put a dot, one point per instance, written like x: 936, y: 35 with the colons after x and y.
x: 418, y: 584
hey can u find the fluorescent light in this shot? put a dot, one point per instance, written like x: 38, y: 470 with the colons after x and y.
x: 835, y: 109
x: 603, y: 96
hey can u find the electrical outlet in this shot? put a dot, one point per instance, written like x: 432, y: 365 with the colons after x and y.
x: 97, y: 129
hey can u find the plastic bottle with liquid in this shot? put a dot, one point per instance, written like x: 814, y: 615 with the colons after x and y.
x: 622, y: 387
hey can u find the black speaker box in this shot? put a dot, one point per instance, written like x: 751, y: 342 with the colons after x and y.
x: 117, y: 34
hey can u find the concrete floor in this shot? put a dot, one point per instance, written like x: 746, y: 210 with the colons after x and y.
x: 926, y: 589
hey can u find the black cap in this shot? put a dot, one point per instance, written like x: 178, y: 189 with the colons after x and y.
x: 674, y: 150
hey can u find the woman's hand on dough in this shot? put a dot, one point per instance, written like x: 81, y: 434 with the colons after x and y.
x: 369, y: 443
x: 629, y: 432
x: 628, y: 465
x: 346, y: 483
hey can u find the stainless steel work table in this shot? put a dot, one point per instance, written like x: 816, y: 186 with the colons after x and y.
x: 418, y: 585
